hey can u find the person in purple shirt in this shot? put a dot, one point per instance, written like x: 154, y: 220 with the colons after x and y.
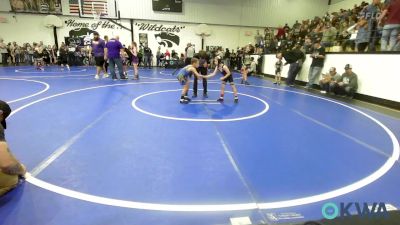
x: 98, y: 51
x: 114, y: 49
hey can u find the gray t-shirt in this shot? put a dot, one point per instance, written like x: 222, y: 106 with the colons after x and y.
x: 336, y: 77
x: 190, y: 52
x: 350, y: 80
x: 258, y: 39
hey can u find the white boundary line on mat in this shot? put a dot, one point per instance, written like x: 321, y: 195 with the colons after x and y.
x: 61, y: 71
x: 46, y: 87
x: 225, y: 207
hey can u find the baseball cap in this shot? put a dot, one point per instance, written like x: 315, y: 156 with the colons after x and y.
x: 6, y: 110
x: 348, y: 66
x: 96, y: 33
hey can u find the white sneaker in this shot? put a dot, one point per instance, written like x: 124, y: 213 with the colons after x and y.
x: 96, y: 77
x: 105, y: 75
x: 323, y: 92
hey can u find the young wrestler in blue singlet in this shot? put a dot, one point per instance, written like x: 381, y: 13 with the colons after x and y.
x: 184, y: 75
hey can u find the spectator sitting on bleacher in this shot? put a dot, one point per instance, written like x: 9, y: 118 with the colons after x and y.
x: 328, y: 35
x: 371, y: 13
x: 329, y: 80
x: 347, y: 84
x: 268, y: 35
x: 307, y: 47
x: 362, y: 39
x: 348, y: 37
x: 397, y: 46
x: 392, y: 26
x: 280, y: 33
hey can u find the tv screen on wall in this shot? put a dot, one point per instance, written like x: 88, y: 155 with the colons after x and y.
x: 167, y: 5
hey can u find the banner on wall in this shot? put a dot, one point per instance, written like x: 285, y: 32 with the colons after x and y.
x: 174, y: 36
x: 164, y: 35
x: 80, y: 32
x: 36, y: 6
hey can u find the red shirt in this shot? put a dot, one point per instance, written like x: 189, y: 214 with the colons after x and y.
x: 281, y: 33
x: 394, y: 12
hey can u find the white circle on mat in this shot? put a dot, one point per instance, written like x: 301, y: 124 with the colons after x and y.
x: 134, y: 105
x: 31, y: 70
x: 46, y: 87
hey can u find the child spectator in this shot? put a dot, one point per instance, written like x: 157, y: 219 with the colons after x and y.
x: 278, y: 69
x: 125, y: 60
x: 244, y: 71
